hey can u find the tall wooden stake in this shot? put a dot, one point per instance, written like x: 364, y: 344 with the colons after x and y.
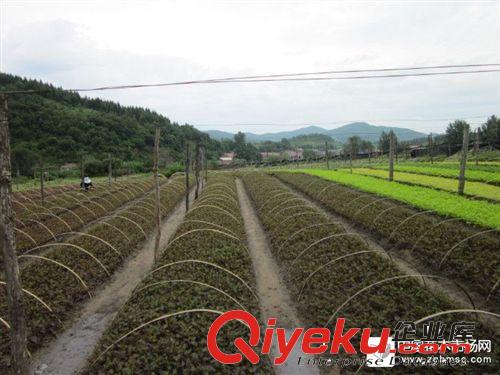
x: 187, y: 176
x: 391, y: 155
x: 197, y: 158
x: 430, y: 146
x: 17, y: 319
x: 157, y: 193
x: 110, y: 170
x: 326, y: 155
x: 463, y: 161
x: 476, y: 145
x: 42, y: 187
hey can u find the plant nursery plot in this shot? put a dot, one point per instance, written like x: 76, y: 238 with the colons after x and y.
x: 489, y: 176
x: 57, y: 278
x: 204, y: 270
x: 332, y: 273
x: 472, y: 188
x: 481, y: 213
x: 448, y: 245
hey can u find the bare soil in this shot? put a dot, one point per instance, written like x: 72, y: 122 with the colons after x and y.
x: 273, y: 295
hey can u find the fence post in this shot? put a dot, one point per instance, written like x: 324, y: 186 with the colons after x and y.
x: 187, y: 175
x: 42, y: 187
x: 430, y: 146
x: 476, y: 145
x: 156, y: 156
x: 110, y: 170
x: 326, y: 155
x: 197, y: 171
x: 17, y: 319
x: 391, y: 155
x: 463, y: 160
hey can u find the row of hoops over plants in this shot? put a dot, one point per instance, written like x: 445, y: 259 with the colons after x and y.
x: 447, y: 245
x: 333, y: 273
x: 58, y: 276
x: 203, y: 271
x: 38, y: 222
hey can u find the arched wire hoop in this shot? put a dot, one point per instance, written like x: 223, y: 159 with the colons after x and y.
x: 213, y: 224
x: 388, y: 280
x: 95, y: 238
x: 492, y: 290
x: 363, y: 237
x: 335, y: 260
x: 197, y: 261
x: 26, y: 235
x: 430, y: 230
x: 294, y: 217
x: 303, y: 230
x: 162, y: 317
x: 368, y: 205
x: 44, y: 227
x: 71, y: 212
x: 116, y: 228
x: 38, y: 299
x: 88, y: 209
x: 461, y: 242
x: 406, y: 220
x: 223, y: 203
x: 305, y: 205
x: 80, y: 280
x: 131, y: 221
x: 79, y: 248
x: 163, y: 282
x: 262, y: 207
x: 383, y: 212
x: 279, y: 204
x: 218, y: 208
x: 58, y: 218
x: 221, y: 195
x: 208, y: 230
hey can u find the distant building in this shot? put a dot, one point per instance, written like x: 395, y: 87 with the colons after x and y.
x: 227, y: 158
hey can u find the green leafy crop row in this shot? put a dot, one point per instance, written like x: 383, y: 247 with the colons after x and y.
x: 472, y: 188
x: 481, y: 213
x: 212, y: 232
x: 68, y: 274
x: 327, y: 269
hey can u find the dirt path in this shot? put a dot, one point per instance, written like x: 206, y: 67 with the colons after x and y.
x: 410, y: 266
x: 69, y: 352
x: 274, y: 299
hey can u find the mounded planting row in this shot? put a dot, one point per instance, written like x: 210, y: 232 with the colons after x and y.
x: 69, y: 211
x: 57, y: 278
x: 448, y: 245
x: 332, y: 273
x: 206, y: 266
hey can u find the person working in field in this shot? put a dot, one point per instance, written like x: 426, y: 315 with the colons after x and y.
x: 86, y: 183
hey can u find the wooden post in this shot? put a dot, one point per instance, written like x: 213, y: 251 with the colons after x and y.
x: 476, y: 145
x: 430, y: 146
x: 350, y: 159
x: 42, y: 187
x: 326, y: 155
x: 197, y: 171
x: 463, y: 160
x: 17, y: 319
x: 391, y: 155
x: 156, y: 156
x: 187, y: 176
x: 110, y: 170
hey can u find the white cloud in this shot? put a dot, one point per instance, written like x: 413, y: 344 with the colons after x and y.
x: 94, y: 43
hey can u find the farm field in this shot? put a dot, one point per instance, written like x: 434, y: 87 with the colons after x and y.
x: 472, y: 188
x: 331, y: 272
x: 481, y: 213
x: 59, y: 277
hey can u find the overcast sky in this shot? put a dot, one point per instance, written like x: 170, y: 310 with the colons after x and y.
x: 77, y: 44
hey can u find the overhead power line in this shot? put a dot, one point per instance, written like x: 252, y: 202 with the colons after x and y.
x: 292, y: 77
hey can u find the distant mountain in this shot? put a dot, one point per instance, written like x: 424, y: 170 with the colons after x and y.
x: 361, y: 129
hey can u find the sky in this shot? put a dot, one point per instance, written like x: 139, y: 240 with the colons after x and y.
x: 80, y: 44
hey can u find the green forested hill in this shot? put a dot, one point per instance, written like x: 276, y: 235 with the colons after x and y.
x: 58, y: 127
